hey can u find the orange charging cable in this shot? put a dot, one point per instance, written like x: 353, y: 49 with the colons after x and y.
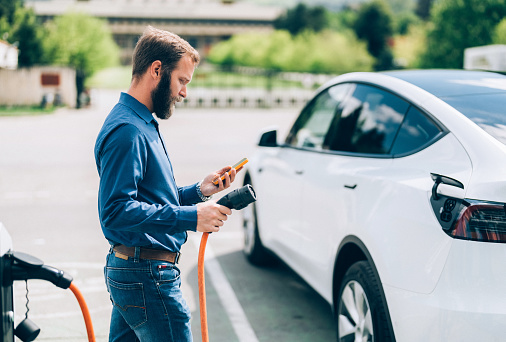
x: 85, y: 311
x: 202, y: 288
x: 202, y: 297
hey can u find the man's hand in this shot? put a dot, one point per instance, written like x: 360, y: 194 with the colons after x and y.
x: 208, y: 188
x: 210, y: 216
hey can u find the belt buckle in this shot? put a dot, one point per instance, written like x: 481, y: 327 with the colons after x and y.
x: 178, y: 256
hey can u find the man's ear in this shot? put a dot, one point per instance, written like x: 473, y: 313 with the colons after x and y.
x: 156, y: 69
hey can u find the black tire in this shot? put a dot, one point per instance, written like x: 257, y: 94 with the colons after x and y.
x: 361, y: 314
x: 253, y: 249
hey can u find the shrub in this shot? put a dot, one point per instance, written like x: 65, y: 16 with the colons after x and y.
x: 324, y: 52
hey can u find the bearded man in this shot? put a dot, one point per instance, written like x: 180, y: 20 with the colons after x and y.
x: 144, y: 215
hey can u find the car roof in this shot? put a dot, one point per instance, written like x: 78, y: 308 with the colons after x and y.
x: 449, y: 83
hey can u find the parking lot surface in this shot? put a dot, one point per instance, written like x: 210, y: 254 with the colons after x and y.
x: 48, y: 203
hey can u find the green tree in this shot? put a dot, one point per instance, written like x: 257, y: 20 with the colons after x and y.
x: 341, y: 20
x: 374, y: 25
x: 18, y: 26
x: 457, y: 25
x: 5, y: 29
x: 329, y: 52
x: 8, y: 8
x: 301, y: 18
x: 408, y: 47
x: 27, y: 34
x: 82, y: 42
x: 401, y: 6
x: 423, y: 9
x: 323, y: 52
x: 500, y: 33
x: 404, y: 21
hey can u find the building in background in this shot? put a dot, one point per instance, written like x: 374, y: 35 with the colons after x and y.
x: 489, y: 57
x: 8, y: 56
x: 43, y: 85
x: 201, y: 22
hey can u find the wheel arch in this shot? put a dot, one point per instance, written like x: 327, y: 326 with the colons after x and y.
x: 350, y: 251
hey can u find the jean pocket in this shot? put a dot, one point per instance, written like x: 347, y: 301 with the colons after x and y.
x: 167, y: 274
x: 129, y: 299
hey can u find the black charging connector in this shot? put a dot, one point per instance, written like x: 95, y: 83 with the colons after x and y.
x: 239, y: 198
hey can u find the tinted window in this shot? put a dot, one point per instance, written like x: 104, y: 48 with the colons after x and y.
x: 313, y: 123
x: 416, y: 131
x: 487, y: 111
x: 367, y: 122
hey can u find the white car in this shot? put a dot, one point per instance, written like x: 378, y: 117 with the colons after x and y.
x: 388, y: 197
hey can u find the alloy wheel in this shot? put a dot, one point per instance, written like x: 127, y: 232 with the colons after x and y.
x: 355, y: 319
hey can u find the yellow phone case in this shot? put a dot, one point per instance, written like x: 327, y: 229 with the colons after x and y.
x: 236, y: 166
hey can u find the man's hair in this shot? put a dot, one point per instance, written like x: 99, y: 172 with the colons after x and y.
x: 167, y: 47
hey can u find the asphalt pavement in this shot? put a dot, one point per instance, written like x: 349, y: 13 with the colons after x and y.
x: 48, y: 203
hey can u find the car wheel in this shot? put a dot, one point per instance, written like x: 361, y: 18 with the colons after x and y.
x: 254, y: 250
x: 361, y: 314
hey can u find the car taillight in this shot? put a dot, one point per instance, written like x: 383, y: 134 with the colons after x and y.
x: 480, y: 221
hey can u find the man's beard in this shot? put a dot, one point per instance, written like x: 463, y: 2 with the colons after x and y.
x: 164, y: 103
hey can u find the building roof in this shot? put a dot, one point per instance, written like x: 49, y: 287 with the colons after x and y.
x: 151, y: 9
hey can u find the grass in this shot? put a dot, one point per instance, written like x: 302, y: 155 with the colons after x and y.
x: 25, y: 110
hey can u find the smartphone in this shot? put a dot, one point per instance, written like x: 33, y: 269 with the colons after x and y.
x: 236, y: 166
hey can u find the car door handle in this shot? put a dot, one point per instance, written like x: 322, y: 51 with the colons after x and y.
x: 350, y: 186
x: 299, y: 172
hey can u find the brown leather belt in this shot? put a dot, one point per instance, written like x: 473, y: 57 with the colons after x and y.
x: 123, y: 252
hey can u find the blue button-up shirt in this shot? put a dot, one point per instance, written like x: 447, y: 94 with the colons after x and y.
x: 139, y: 202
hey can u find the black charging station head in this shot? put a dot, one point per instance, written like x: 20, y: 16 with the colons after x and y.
x: 26, y: 260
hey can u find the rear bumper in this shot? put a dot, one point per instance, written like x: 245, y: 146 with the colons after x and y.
x: 468, y: 303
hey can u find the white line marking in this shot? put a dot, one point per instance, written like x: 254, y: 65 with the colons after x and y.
x: 236, y: 314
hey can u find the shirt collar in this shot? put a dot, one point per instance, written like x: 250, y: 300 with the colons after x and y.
x: 140, y: 109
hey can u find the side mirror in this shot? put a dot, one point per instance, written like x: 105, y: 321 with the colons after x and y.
x: 269, y: 139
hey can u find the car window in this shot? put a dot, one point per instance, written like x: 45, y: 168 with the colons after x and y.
x: 367, y: 122
x: 416, y: 131
x: 485, y: 110
x: 313, y: 123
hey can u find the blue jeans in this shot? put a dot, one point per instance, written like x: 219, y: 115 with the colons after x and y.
x: 148, y: 305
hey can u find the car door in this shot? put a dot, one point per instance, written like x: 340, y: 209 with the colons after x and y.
x: 285, y: 171
x: 279, y: 191
x: 342, y: 185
